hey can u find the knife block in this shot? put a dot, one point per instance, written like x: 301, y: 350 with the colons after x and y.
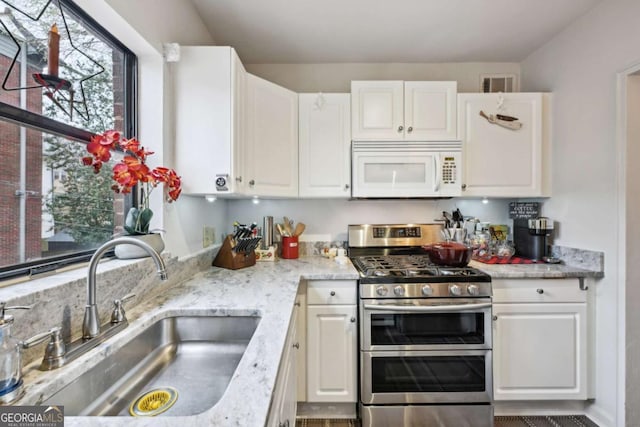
x: 228, y: 258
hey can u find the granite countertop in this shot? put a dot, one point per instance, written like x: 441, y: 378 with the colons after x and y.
x: 267, y: 290
x: 534, y: 271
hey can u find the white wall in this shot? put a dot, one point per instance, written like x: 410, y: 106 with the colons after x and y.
x: 632, y: 248
x: 144, y: 26
x: 337, y: 77
x: 579, y: 66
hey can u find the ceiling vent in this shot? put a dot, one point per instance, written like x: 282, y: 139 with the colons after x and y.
x: 490, y: 83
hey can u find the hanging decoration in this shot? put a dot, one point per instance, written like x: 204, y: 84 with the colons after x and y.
x: 61, y: 90
x: 501, y: 118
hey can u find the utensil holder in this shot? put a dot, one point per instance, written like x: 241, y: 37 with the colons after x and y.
x: 237, y: 253
x: 454, y: 234
x: 289, y: 247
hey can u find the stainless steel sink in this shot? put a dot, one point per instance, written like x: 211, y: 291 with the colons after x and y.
x: 196, y: 356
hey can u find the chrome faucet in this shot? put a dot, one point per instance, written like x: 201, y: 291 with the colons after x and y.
x: 91, y: 322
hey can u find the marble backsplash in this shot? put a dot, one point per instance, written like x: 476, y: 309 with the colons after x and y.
x: 580, y: 258
x: 60, y: 299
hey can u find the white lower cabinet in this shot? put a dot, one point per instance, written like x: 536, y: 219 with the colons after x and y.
x: 284, y: 403
x: 331, y: 353
x: 331, y: 347
x: 540, y: 340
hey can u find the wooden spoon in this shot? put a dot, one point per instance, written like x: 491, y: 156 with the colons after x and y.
x: 299, y: 229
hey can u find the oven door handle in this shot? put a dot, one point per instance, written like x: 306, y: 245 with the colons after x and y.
x: 427, y: 308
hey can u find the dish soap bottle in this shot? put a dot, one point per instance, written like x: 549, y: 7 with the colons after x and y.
x: 10, y: 363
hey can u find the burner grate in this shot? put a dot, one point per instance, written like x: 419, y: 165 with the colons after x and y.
x: 407, y: 266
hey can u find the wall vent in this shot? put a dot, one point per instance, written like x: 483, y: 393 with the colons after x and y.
x: 490, y: 83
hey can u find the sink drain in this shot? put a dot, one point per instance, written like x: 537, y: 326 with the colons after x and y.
x: 154, y: 402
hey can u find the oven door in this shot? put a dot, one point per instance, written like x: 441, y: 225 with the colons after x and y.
x: 425, y: 324
x: 426, y: 377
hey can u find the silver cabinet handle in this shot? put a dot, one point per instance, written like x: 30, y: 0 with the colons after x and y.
x: 494, y: 318
x: 464, y: 186
x: 540, y: 291
x: 353, y: 320
x: 332, y: 293
x: 252, y: 182
x: 410, y: 129
x: 238, y: 178
x: 284, y: 424
x: 297, y: 345
x: 400, y: 128
x: 346, y: 186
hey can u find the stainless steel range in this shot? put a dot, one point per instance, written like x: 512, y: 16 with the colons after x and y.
x: 425, y: 332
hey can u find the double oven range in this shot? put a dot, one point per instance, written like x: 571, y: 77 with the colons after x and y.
x: 425, y: 332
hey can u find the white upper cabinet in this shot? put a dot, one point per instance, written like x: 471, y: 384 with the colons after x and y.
x: 271, y: 157
x: 430, y: 111
x: 325, y: 145
x: 392, y: 110
x: 499, y: 161
x: 209, y: 85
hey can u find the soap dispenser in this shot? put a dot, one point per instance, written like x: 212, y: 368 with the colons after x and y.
x: 10, y: 363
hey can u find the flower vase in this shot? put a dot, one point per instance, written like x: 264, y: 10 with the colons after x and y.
x: 132, y: 251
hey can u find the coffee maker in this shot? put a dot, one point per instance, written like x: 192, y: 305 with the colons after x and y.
x: 531, y: 237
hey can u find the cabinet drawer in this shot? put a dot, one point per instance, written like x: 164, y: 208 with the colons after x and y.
x: 331, y: 291
x: 538, y: 290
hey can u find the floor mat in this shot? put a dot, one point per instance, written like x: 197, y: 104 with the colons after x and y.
x: 530, y: 421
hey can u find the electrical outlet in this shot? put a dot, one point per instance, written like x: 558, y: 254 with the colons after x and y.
x: 208, y: 236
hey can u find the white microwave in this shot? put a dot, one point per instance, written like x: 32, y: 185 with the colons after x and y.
x: 406, y: 169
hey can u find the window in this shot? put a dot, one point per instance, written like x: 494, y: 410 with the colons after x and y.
x: 53, y: 209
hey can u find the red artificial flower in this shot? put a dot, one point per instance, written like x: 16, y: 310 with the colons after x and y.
x: 132, y: 169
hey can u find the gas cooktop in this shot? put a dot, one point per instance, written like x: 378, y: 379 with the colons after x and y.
x: 393, y: 253
x: 412, y: 269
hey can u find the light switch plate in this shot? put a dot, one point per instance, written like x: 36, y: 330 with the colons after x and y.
x: 208, y: 236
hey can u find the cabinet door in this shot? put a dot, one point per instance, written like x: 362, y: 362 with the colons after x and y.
x: 283, y: 403
x: 239, y: 137
x: 203, y: 87
x: 289, y: 401
x: 502, y: 162
x: 325, y: 144
x: 540, y: 351
x: 430, y: 112
x: 377, y: 110
x: 272, y: 149
x: 331, y: 353
x: 300, y: 346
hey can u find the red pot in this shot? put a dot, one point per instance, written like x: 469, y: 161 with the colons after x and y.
x: 451, y: 254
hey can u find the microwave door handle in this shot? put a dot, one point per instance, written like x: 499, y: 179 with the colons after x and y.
x: 427, y: 308
x: 436, y: 174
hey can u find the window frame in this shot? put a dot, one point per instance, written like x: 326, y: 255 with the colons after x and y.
x: 20, y: 117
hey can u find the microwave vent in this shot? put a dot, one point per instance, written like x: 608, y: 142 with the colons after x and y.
x: 491, y: 83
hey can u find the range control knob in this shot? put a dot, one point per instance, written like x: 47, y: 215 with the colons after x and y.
x: 382, y: 290
x: 455, y: 290
x: 399, y: 290
x: 427, y: 290
x: 473, y: 290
